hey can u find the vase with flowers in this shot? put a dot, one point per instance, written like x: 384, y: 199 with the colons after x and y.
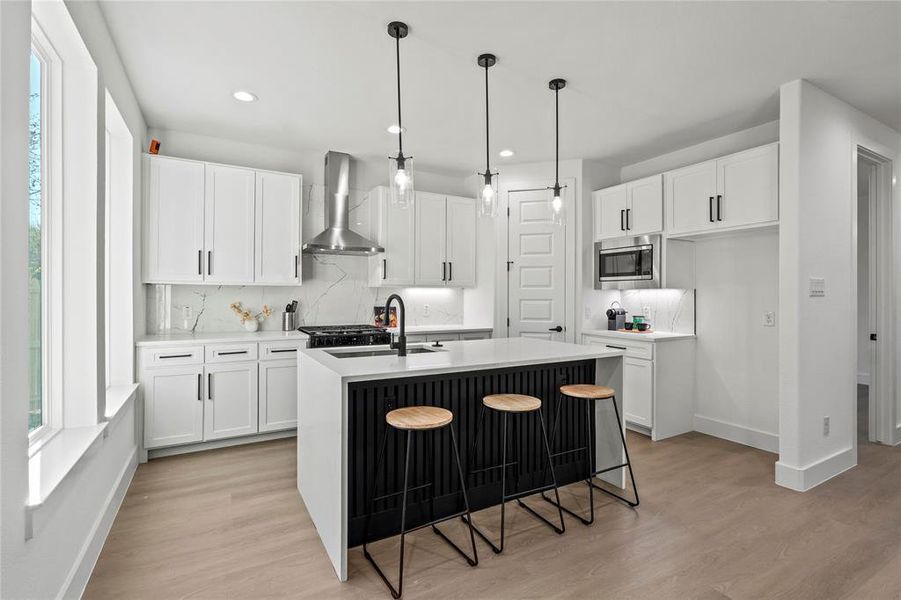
x: 250, y: 321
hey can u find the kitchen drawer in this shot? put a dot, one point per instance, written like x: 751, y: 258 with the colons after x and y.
x: 417, y: 338
x: 633, y: 348
x: 475, y: 335
x: 443, y: 337
x: 279, y: 350
x: 168, y: 357
x: 220, y: 353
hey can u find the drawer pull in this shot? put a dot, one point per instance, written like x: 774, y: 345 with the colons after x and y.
x: 232, y: 352
x: 616, y: 347
x: 278, y: 351
x: 162, y: 356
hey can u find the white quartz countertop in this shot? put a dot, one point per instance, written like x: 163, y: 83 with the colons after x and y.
x: 186, y: 339
x: 652, y: 336
x: 455, y: 356
x: 440, y: 329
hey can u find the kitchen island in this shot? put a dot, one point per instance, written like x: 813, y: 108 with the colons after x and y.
x: 345, y: 393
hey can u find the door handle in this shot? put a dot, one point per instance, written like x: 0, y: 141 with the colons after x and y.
x: 444, y: 271
x: 710, y: 208
x: 384, y: 268
x: 209, y: 386
x: 616, y: 347
x: 719, y: 207
x: 558, y: 329
x: 628, y: 218
x: 199, y: 385
x: 622, y: 219
x: 296, y: 260
x: 450, y: 271
x: 209, y: 262
x: 200, y: 262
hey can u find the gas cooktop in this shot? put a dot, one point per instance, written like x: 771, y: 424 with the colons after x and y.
x: 330, y: 336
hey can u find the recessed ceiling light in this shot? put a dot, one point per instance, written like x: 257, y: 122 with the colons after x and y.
x: 244, y: 96
x: 395, y: 129
x: 506, y: 153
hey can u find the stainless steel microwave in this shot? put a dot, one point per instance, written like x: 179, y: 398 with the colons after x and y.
x: 628, y: 263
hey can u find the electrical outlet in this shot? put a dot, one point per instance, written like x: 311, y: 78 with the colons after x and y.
x: 817, y: 287
x: 647, y: 312
x: 825, y: 426
x: 769, y: 319
x: 425, y: 310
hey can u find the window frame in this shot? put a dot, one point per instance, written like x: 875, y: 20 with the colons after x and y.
x: 51, y: 238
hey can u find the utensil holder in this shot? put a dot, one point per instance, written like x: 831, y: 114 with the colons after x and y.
x: 288, y: 322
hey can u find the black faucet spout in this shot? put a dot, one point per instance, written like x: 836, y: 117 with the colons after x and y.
x: 401, y: 342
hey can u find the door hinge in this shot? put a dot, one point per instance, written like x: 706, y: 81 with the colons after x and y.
x: 508, y: 321
x: 873, y: 337
x: 508, y: 211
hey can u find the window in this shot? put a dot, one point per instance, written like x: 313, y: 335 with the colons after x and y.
x: 37, y: 219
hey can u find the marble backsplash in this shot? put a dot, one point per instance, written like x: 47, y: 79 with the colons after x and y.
x: 335, y: 289
x: 667, y: 309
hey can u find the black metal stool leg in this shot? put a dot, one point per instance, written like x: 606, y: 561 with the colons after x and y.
x: 628, y: 463
x: 562, y: 529
x: 467, y: 517
x: 503, y: 466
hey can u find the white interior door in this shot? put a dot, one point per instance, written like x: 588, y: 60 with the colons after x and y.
x: 536, y: 304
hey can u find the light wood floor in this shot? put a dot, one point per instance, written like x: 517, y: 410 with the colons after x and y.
x: 230, y: 524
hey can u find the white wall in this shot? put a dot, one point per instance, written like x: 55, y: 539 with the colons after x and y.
x: 57, y: 560
x: 819, y: 136
x: 737, y: 357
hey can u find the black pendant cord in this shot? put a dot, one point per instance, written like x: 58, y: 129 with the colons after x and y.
x: 487, y: 129
x: 400, y: 127
x: 557, y: 138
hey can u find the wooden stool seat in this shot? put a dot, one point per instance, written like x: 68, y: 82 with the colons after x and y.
x: 419, y: 418
x: 587, y: 391
x: 515, y: 403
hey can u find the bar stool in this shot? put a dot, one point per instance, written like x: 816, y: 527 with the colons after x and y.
x: 591, y: 394
x: 418, y: 419
x: 514, y: 404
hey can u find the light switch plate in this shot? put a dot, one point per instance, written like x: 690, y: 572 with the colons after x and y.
x: 769, y: 319
x: 817, y: 287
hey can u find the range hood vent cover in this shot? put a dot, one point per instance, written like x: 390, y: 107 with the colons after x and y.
x: 338, y: 237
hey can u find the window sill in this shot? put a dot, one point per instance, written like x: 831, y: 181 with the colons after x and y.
x: 117, y: 398
x: 50, y: 465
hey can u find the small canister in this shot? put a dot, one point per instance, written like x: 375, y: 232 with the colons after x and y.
x: 288, y: 323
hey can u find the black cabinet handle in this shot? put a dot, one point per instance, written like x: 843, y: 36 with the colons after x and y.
x: 200, y: 262
x: 710, y: 208
x: 444, y: 271
x: 622, y: 220
x: 616, y: 347
x: 628, y: 218
x: 450, y: 271
x: 558, y: 329
x: 209, y: 386
x: 231, y: 352
x: 209, y: 262
x: 162, y: 356
x: 384, y: 268
x: 199, y: 385
x: 280, y: 350
x: 296, y: 260
x: 719, y: 207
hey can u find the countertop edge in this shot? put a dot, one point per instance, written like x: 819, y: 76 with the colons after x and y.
x: 662, y: 336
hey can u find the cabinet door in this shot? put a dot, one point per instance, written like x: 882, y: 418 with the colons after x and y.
x: 431, y: 260
x: 690, y: 196
x: 228, y: 224
x: 748, y: 183
x: 610, y: 212
x: 395, y: 232
x: 278, y: 395
x: 230, y: 407
x: 461, y: 241
x: 645, y: 210
x: 278, y: 227
x: 173, y: 228
x: 173, y: 405
x: 638, y: 391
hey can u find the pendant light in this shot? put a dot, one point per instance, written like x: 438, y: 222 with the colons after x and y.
x: 486, y: 184
x: 400, y: 167
x: 557, y: 205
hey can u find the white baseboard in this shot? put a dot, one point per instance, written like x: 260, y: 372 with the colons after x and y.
x: 756, y: 438
x: 804, y: 478
x: 863, y: 379
x: 226, y: 443
x: 80, y: 574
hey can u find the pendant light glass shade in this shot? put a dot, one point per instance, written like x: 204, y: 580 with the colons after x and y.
x: 486, y: 194
x: 400, y: 177
x: 400, y: 167
x: 558, y: 204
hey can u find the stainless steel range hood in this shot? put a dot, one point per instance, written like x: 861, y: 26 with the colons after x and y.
x: 338, y: 238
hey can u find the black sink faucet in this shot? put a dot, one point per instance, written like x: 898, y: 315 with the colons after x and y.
x: 401, y: 344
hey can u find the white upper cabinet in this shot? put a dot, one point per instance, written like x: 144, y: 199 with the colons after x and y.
x: 228, y: 224
x: 628, y: 209
x: 461, y: 241
x: 278, y: 227
x: 735, y: 191
x: 208, y: 223
x: 173, y: 213
x: 393, y: 229
x: 431, y: 239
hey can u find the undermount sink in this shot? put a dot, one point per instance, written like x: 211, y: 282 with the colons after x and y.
x: 382, y: 352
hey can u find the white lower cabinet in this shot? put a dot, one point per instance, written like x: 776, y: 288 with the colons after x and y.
x: 173, y: 405
x: 230, y: 408
x: 278, y: 395
x: 638, y: 391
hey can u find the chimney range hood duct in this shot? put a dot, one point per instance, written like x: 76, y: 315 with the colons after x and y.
x: 338, y: 238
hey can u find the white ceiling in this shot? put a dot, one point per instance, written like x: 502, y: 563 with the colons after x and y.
x: 644, y: 78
